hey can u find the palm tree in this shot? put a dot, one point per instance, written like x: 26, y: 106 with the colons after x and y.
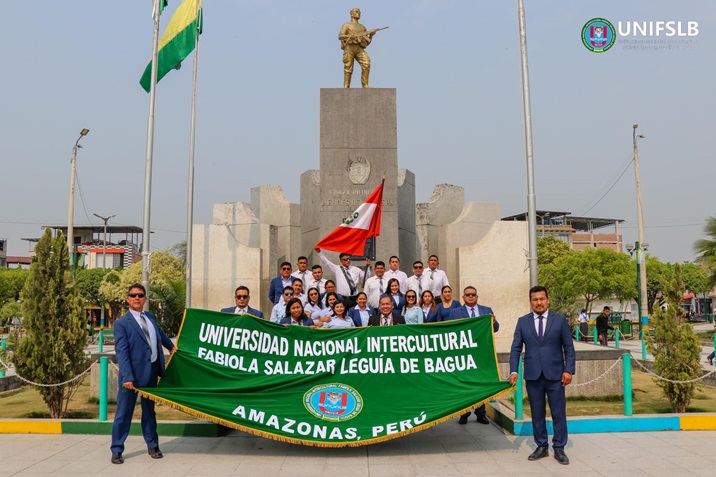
x: 706, y: 249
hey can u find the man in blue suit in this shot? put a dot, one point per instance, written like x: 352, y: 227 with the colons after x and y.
x: 138, y: 342
x: 471, y: 310
x: 242, y: 297
x: 549, y: 366
x: 283, y: 280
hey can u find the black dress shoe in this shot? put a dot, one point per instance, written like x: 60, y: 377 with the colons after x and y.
x: 155, y: 453
x: 539, y: 453
x: 117, y: 458
x: 482, y: 419
x: 463, y: 419
x: 561, y: 457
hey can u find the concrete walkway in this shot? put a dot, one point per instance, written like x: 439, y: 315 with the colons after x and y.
x: 445, y: 450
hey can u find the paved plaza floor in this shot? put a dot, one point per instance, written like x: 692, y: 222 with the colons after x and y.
x: 444, y: 450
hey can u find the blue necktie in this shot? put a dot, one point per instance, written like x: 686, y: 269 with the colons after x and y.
x: 540, y: 335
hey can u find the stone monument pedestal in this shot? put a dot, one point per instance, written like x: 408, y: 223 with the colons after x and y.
x: 358, y: 147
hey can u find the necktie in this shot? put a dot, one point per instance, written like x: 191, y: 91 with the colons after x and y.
x: 540, y: 335
x: 420, y: 285
x: 472, y: 313
x: 143, y: 324
x: 432, y: 272
x: 385, y: 321
x: 381, y: 285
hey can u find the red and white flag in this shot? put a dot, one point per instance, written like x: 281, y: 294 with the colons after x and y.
x: 364, y: 223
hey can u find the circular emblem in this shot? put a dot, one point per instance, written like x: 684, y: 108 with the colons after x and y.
x: 598, y: 35
x: 333, y: 402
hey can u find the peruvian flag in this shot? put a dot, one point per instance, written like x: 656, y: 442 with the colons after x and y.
x: 364, y: 223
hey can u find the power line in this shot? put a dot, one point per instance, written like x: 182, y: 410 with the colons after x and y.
x: 82, y: 199
x: 608, y: 190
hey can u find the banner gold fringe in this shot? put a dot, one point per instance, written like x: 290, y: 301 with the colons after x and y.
x: 290, y: 440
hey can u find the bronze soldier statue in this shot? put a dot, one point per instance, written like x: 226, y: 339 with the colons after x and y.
x: 354, y: 39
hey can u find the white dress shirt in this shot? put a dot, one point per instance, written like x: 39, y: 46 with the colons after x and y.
x: 320, y: 285
x: 342, y: 286
x: 417, y: 284
x: 373, y: 289
x: 304, y: 276
x: 544, y: 321
x: 151, y: 330
x: 436, y: 279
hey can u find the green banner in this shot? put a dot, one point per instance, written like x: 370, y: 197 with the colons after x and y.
x: 329, y: 387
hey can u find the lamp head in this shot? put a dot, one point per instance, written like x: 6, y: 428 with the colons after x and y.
x: 84, y: 132
x: 644, y: 247
x: 635, y: 125
x: 630, y: 247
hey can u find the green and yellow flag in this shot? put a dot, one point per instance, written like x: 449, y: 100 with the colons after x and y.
x: 329, y: 388
x: 178, y: 40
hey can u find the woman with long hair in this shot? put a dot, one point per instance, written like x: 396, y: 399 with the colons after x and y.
x: 412, y: 312
x: 446, y: 304
x: 430, y: 309
x: 339, y: 318
x: 295, y: 314
x: 393, y: 291
x: 313, y: 304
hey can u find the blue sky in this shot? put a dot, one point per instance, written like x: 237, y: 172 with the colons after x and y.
x: 455, y: 65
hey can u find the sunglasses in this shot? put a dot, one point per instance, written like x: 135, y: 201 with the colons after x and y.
x: 470, y: 294
x: 241, y: 297
x: 137, y: 295
x: 286, y: 268
x: 411, y: 297
x: 288, y: 294
x: 418, y: 267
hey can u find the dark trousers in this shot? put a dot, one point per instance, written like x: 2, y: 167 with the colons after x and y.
x: 126, y: 400
x: 478, y: 411
x: 537, y: 390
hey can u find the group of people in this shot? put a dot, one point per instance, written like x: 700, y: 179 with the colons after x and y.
x: 388, y: 298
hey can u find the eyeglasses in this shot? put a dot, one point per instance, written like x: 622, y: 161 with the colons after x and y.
x: 470, y: 294
x: 241, y: 297
x: 137, y: 295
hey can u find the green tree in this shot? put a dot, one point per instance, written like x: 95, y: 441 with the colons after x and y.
x: 9, y: 311
x: 696, y: 278
x: 88, y: 281
x: 590, y: 274
x: 164, y: 266
x: 706, y: 250
x: 113, y: 294
x: 52, y: 350
x: 11, y: 282
x: 179, y: 251
x: 658, y: 276
x: 168, y: 304
x: 549, y: 249
x: 675, y: 348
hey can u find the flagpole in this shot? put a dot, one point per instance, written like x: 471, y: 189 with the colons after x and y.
x: 380, y: 201
x: 190, y: 192
x: 146, y: 266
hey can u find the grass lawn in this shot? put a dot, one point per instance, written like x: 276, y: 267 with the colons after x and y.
x: 27, y: 402
x: 648, y: 399
x: 706, y: 338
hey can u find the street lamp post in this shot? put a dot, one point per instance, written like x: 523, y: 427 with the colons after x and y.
x: 71, y: 211
x: 641, y: 270
x: 104, y: 246
x: 104, y: 260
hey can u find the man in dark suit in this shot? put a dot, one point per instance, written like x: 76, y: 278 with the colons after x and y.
x: 138, y: 342
x: 549, y: 366
x: 283, y: 280
x: 471, y: 310
x: 242, y: 297
x: 385, y: 317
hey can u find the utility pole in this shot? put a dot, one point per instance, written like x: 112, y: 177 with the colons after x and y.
x: 71, y: 211
x: 641, y: 245
x: 104, y: 247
